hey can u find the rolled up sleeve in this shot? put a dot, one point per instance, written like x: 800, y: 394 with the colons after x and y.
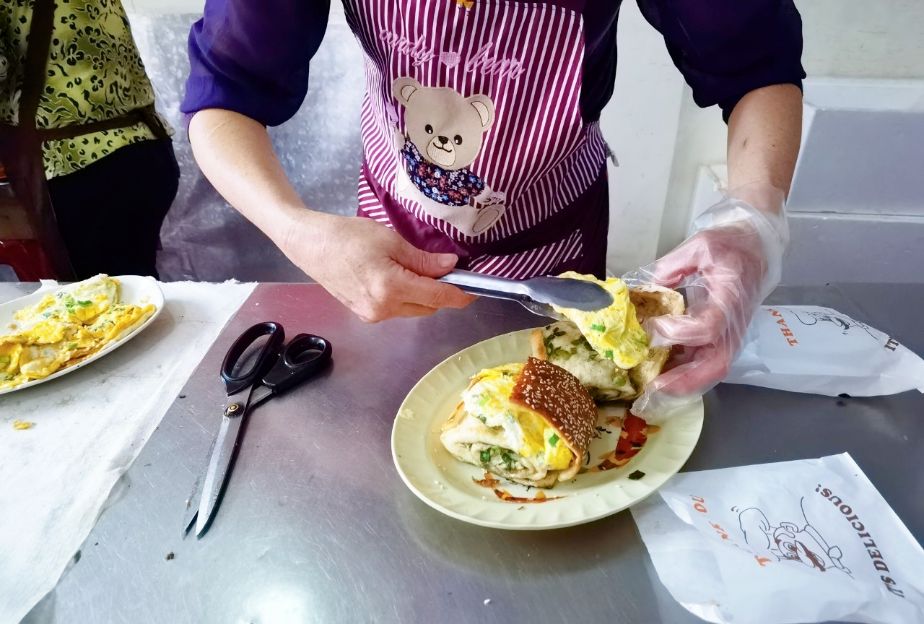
x: 726, y: 48
x: 252, y: 57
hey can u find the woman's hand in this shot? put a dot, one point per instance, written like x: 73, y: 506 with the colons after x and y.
x: 370, y: 268
x: 734, y: 256
x: 729, y: 265
x: 367, y: 266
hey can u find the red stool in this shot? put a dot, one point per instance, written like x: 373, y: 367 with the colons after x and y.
x: 18, y: 247
x: 27, y: 258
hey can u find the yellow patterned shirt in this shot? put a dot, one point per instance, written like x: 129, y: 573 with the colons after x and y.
x: 94, y: 73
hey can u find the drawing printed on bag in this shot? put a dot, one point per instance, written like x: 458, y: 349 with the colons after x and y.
x: 785, y: 540
x: 842, y: 321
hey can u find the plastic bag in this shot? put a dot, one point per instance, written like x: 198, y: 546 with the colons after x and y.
x: 821, y: 351
x: 801, y: 541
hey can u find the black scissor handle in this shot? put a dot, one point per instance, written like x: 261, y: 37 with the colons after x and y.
x: 267, y: 356
x: 304, y: 357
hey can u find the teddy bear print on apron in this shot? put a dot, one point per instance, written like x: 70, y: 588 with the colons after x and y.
x: 442, y: 137
x: 472, y: 129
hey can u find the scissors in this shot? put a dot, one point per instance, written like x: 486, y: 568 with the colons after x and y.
x: 277, y: 367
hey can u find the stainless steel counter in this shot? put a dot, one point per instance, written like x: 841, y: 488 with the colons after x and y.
x: 316, y: 525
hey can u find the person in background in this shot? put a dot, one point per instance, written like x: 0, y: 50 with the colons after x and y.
x: 483, y: 151
x: 86, y: 152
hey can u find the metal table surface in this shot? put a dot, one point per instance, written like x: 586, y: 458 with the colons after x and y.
x: 316, y: 525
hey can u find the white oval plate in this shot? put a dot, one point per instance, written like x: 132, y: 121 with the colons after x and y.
x: 447, y: 485
x: 134, y: 290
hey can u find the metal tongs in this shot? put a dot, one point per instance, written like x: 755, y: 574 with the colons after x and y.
x: 537, y: 294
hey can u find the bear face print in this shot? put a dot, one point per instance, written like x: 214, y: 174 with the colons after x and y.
x: 444, y: 134
x: 447, y: 128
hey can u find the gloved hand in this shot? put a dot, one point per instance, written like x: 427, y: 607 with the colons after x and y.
x: 730, y: 262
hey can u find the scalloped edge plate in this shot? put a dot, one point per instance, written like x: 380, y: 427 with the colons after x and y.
x: 447, y: 485
x: 134, y: 289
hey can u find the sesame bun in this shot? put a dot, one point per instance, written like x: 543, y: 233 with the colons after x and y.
x: 522, y: 392
x: 563, y: 401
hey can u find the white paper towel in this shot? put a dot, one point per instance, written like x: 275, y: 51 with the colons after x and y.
x: 89, y: 427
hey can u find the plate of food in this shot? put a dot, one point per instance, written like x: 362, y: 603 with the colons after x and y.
x: 531, y: 430
x: 59, y: 329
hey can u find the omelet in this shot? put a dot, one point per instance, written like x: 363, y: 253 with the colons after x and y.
x: 40, y: 361
x: 613, y: 332
x: 526, y: 431
x: 65, y: 327
x: 10, y: 353
x: 608, y: 350
x: 563, y: 344
x: 530, y: 423
x: 112, y: 323
x: 80, y: 302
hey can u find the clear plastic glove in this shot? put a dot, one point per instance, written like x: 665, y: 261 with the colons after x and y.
x: 730, y: 262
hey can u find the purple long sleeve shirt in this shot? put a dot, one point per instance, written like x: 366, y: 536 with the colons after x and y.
x: 252, y: 57
x: 517, y: 87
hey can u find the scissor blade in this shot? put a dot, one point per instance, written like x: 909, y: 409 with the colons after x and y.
x: 192, y: 508
x: 219, y: 466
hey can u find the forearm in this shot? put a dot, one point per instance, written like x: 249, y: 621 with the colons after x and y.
x: 764, y: 132
x: 236, y: 155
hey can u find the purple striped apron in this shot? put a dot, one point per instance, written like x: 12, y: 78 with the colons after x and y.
x: 472, y: 133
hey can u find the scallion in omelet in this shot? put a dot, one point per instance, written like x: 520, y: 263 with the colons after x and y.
x: 613, y: 332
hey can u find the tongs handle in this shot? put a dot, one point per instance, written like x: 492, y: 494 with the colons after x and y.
x: 488, y: 285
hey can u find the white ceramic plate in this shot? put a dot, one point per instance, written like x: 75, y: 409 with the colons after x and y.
x: 447, y: 485
x: 135, y: 290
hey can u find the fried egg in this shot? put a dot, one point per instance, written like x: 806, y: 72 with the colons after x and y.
x: 613, y: 332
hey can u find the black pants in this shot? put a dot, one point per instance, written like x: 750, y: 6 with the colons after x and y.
x: 110, y: 212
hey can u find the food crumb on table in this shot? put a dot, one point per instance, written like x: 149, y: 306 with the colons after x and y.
x: 22, y: 425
